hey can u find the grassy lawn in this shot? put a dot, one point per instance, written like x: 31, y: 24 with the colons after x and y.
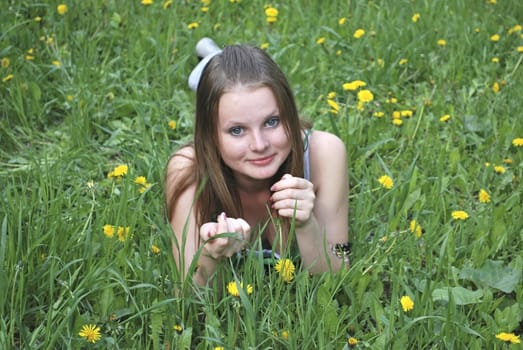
x: 427, y: 96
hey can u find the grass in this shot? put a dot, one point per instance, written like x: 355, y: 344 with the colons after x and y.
x: 96, y: 87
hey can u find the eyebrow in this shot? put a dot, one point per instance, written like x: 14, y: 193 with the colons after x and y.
x: 239, y: 120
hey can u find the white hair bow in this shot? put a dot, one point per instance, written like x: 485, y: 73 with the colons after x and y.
x: 207, y: 49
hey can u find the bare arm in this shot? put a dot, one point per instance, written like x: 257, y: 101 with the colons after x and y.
x: 322, y: 204
x: 187, y: 236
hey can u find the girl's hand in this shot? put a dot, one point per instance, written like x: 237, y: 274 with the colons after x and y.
x: 293, y: 197
x: 222, y: 247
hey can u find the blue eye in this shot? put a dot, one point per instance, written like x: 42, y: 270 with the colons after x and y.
x: 236, y: 131
x: 272, y: 122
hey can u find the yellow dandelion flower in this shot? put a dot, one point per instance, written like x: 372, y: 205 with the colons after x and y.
x: 140, y: 180
x: 61, y: 9
x: 155, y: 249
x: 271, y: 12
x: 359, y: 33
x: 193, y: 25
x: 403, y: 61
x: 396, y: 115
x: 407, y: 113
x: 7, y: 78
x: 38, y: 19
x: 494, y: 38
x: 5, y: 62
x: 391, y: 100
x: 172, y: 124
x: 178, y: 328
x: 460, y: 215
x: 516, y: 28
x: 495, y: 60
x: 90, y: 332
x: 352, y: 341
x: 264, y: 46
x: 508, y: 337
x: 416, y: 17
x: 144, y: 187
x: 331, y: 95
x: 204, y: 9
x: 109, y: 231
x: 518, y: 142
x: 354, y: 85
x: 445, y: 118
x: 520, y: 48
x: 219, y: 348
x: 271, y: 19
x: 147, y: 2
x: 492, y: 2
x: 365, y: 96
x: 57, y: 64
x: 286, y: 268
x: 285, y: 335
x: 342, y: 21
x: 397, y: 122
x: 442, y: 42
x: 495, y: 87
x: 232, y: 288
x: 500, y: 169
x: 378, y: 114
x: 333, y: 105
x: 118, y: 171
x: 386, y: 181
x: 483, y: 196
x: 415, y: 228
x: 123, y: 233
x: 406, y: 303
x: 320, y: 41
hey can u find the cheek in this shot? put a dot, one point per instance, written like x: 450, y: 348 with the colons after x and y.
x: 281, y: 141
x: 231, y: 149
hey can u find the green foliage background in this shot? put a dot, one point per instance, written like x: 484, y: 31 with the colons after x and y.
x: 122, y: 76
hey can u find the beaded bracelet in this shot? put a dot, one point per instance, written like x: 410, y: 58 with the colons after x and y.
x: 342, y: 250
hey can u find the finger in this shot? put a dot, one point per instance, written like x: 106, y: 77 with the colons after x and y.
x: 287, y: 203
x: 298, y: 215
x: 245, y: 227
x: 222, y: 223
x: 208, y: 230
x: 292, y: 182
x: 232, y: 225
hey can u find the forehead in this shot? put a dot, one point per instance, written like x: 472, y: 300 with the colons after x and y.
x: 243, y: 102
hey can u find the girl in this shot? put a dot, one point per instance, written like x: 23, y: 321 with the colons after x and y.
x: 252, y: 164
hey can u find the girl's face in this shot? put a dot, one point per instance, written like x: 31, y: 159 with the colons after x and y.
x: 251, y: 137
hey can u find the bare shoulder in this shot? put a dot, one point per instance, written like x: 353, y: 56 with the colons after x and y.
x: 326, y: 146
x: 181, y: 161
x: 179, y: 168
x: 328, y: 159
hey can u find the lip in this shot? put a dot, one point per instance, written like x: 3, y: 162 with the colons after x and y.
x: 262, y: 161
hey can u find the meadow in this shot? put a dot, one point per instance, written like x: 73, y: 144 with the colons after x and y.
x: 427, y: 96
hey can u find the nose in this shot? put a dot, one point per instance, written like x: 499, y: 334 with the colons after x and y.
x: 258, y: 142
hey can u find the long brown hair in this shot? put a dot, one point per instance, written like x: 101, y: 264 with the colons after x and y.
x: 235, y: 65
